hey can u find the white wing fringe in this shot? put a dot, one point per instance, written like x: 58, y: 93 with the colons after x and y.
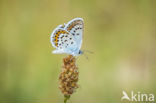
x: 57, y: 51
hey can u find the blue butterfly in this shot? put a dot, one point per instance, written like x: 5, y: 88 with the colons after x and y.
x: 67, y: 38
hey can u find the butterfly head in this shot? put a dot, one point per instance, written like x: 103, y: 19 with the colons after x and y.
x: 80, y: 52
x: 77, y: 53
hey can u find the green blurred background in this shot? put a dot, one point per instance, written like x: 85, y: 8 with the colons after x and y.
x: 121, y: 33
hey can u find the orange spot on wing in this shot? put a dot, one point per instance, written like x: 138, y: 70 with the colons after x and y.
x: 57, y: 34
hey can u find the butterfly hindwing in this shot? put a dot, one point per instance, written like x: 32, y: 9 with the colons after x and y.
x: 63, y: 41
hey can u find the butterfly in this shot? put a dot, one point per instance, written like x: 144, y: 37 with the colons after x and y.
x: 67, y: 38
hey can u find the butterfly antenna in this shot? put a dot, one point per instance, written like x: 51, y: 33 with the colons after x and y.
x: 86, y: 56
x: 88, y: 51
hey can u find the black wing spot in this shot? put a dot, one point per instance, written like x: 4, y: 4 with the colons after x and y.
x: 62, y: 36
x: 77, y: 33
x: 70, y: 38
x: 71, y: 42
x: 65, y: 41
x: 73, y: 34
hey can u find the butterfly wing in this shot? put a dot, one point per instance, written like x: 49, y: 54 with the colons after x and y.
x: 75, y: 27
x: 63, y: 41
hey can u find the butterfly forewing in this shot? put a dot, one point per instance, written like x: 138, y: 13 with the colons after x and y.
x: 75, y: 27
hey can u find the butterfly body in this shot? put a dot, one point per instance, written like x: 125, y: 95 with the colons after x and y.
x: 67, y: 38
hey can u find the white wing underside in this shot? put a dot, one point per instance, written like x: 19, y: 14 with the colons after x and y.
x: 58, y: 51
x: 78, y: 38
x: 71, y: 42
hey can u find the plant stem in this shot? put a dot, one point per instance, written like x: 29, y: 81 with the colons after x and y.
x: 66, y: 97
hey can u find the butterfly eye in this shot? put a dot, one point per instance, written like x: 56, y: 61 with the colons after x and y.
x: 80, y: 52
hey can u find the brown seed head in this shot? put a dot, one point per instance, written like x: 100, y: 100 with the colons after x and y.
x: 68, y: 77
